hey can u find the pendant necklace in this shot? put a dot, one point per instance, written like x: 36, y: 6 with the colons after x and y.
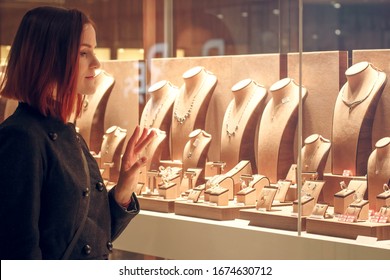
x: 308, y: 162
x: 379, y: 165
x: 232, y: 132
x: 182, y: 117
x: 193, y: 147
x: 352, y: 104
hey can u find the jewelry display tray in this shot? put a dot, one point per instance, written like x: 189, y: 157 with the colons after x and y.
x: 153, y: 203
x: 205, y: 211
x: 279, y: 217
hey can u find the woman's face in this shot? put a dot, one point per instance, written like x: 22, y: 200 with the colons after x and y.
x: 88, y: 63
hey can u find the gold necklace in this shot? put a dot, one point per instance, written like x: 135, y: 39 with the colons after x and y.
x: 353, y: 104
x: 183, y: 117
x: 230, y: 132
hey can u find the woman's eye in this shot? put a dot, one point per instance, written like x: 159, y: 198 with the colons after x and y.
x: 83, y: 53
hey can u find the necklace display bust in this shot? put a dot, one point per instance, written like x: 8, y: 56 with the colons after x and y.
x: 315, y: 154
x: 190, y: 107
x: 277, y: 130
x: 159, y: 106
x: 240, y: 123
x: 158, y: 110
x: 196, y: 149
x: 378, y: 169
x: 353, y: 118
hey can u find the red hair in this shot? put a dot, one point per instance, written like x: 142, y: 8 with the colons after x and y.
x: 42, y: 64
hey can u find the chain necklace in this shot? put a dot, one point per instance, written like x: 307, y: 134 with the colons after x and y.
x: 156, y: 113
x: 276, y: 108
x: 229, y: 131
x: 310, y: 159
x: 182, y: 117
x: 193, y: 147
x: 379, y: 165
x: 352, y: 104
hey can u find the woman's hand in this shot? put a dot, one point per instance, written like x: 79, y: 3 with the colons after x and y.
x: 131, y: 163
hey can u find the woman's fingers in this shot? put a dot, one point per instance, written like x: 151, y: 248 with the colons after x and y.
x: 136, y: 144
x: 144, y: 141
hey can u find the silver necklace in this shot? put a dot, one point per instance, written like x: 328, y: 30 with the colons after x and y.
x: 182, y: 118
x: 229, y: 131
x: 193, y: 147
x: 352, y: 104
x: 276, y: 108
x: 155, y: 115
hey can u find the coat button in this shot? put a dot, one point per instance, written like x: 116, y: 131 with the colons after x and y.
x: 53, y: 136
x: 87, y: 249
x: 99, y: 186
x: 109, y: 246
x: 86, y: 192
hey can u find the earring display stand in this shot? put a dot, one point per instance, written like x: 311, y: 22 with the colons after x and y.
x: 164, y: 200
x: 350, y: 219
x: 284, y: 217
x: 332, y: 185
x: 220, y: 191
x: 383, y: 199
x: 355, y: 109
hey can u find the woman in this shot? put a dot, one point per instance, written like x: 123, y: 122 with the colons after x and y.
x: 53, y: 203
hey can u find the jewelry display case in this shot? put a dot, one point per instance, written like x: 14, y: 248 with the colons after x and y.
x: 269, y: 126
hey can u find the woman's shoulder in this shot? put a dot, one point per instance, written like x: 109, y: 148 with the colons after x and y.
x: 22, y: 120
x: 29, y: 123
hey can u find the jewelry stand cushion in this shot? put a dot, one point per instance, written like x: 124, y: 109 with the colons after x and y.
x: 283, y: 187
x: 292, y: 174
x: 307, y: 205
x: 364, y: 209
x: 266, y: 198
x: 194, y: 195
x: 168, y: 191
x: 319, y: 211
x: 382, y: 199
x: 220, y: 197
x: 342, y: 200
x: 247, y: 196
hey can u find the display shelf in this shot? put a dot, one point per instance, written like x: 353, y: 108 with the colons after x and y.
x: 333, y: 227
x: 171, y: 236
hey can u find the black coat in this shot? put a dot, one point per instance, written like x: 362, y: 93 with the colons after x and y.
x: 43, y: 192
